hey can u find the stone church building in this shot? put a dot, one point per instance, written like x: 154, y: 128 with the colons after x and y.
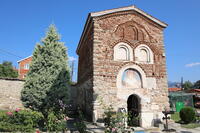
x: 122, y: 63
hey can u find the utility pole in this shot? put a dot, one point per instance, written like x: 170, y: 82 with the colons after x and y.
x: 181, y: 83
x: 72, y: 71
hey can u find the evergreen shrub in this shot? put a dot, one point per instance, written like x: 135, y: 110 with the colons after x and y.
x: 48, y: 77
x: 187, y: 115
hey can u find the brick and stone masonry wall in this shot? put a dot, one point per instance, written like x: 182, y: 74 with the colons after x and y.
x: 98, y: 72
x: 107, y: 33
x: 10, y: 94
x: 85, y: 75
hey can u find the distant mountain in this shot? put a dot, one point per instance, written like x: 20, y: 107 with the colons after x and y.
x: 174, y: 84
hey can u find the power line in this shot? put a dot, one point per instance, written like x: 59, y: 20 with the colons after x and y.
x: 10, y: 53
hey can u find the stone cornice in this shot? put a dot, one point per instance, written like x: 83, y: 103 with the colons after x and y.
x: 129, y: 8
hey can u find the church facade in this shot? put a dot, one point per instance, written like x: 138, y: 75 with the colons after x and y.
x: 122, y: 63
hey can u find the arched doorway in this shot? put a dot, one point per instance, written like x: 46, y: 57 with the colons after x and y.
x: 133, y: 107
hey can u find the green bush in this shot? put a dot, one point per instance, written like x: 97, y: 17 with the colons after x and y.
x: 80, y: 124
x: 19, y: 120
x: 7, y: 71
x: 27, y: 117
x: 8, y: 127
x: 3, y: 116
x: 54, y: 123
x: 108, y: 114
x: 187, y: 115
x: 27, y: 121
x: 114, y: 121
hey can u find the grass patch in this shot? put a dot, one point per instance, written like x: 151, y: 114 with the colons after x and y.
x: 176, y: 117
x: 190, y: 125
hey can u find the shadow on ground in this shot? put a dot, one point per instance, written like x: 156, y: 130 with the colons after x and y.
x: 91, y: 128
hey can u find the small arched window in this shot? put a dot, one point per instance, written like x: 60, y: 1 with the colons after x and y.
x: 123, y: 52
x: 144, y: 57
x: 143, y: 54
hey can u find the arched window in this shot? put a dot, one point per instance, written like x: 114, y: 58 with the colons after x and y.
x: 131, y: 79
x: 144, y: 57
x: 123, y: 52
x: 143, y: 54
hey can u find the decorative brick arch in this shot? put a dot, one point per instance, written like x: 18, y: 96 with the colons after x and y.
x: 132, y: 30
x: 155, y: 49
x: 134, y: 44
x: 128, y: 48
x: 149, y: 52
x: 114, y: 44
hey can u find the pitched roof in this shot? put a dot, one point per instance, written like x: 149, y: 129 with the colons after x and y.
x: 195, y: 90
x: 174, y: 89
x: 128, y: 8
x: 24, y: 59
x: 106, y: 12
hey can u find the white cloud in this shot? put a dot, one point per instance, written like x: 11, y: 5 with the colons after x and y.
x: 193, y: 64
x: 71, y: 58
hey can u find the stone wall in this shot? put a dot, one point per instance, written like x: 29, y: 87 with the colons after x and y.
x: 85, y: 98
x: 85, y: 61
x: 84, y: 86
x: 10, y: 94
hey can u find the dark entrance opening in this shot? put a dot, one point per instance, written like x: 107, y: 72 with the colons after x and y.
x: 133, y: 105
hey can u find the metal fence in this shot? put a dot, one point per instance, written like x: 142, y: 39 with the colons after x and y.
x: 180, y: 97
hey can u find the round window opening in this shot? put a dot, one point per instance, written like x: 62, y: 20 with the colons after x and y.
x: 131, y: 79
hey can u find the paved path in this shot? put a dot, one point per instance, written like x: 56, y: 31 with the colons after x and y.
x: 95, y: 128
x: 92, y: 128
x: 99, y: 128
x: 180, y: 129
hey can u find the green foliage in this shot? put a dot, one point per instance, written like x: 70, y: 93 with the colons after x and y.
x: 26, y: 117
x: 54, y: 123
x: 117, y: 123
x: 187, y: 114
x: 27, y: 121
x: 7, y: 70
x: 20, y: 120
x: 176, y: 117
x: 48, y: 77
x: 114, y: 121
x: 80, y: 125
x: 3, y: 116
x: 8, y: 127
x: 133, y: 120
x: 188, y: 85
x: 197, y: 85
x: 108, y: 113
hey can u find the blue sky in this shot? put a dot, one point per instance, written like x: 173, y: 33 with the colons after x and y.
x: 24, y: 22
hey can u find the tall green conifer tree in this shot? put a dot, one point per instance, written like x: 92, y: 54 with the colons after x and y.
x: 47, y: 80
